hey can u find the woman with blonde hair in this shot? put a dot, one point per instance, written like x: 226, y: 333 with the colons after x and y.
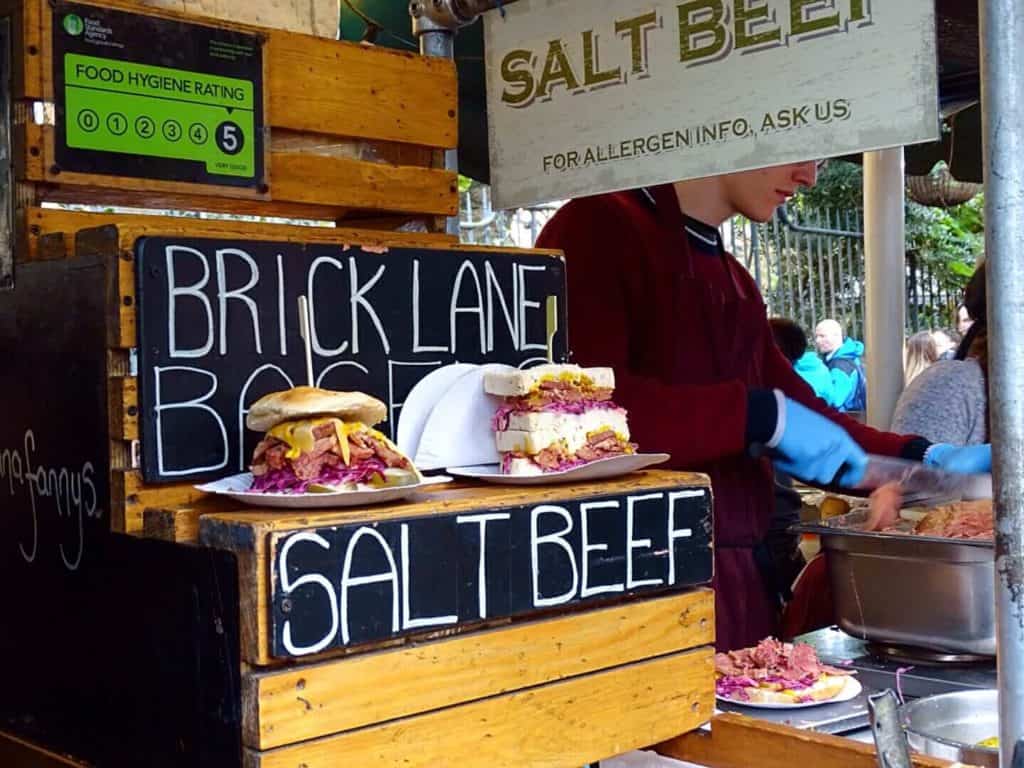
x: 918, y: 354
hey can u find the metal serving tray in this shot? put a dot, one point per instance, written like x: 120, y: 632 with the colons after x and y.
x: 911, y: 590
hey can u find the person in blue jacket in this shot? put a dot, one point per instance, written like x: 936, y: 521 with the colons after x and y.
x: 791, y: 339
x: 844, y: 359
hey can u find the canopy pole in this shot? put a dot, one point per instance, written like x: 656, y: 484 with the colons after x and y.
x: 884, y: 282
x: 1002, y: 99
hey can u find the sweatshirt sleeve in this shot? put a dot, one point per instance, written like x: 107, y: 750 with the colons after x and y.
x: 781, y: 376
x: 695, y: 424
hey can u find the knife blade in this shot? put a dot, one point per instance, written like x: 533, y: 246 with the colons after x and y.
x: 919, y: 481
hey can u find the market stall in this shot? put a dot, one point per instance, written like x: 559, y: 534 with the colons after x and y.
x: 157, y: 624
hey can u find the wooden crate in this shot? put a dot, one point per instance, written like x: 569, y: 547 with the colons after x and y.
x: 558, y: 687
x: 256, y: 537
x: 354, y: 132
x: 734, y: 740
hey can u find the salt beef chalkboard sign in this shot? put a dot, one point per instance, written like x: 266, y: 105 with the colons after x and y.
x: 218, y: 328
x: 344, y: 586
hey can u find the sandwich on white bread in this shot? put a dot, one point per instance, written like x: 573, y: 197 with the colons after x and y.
x: 556, y: 417
x: 523, y: 382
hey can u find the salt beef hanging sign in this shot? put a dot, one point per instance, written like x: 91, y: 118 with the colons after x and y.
x: 218, y: 329
x: 602, y: 95
x: 355, y: 584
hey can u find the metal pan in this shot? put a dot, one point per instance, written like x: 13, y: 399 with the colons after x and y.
x: 950, y: 726
x: 921, y: 591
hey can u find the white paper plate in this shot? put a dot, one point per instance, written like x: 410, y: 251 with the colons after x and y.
x: 851, y: 690
x: 458, y: 431
x: 595, y: 470
x: 421, y: 401
x: 237, y: 487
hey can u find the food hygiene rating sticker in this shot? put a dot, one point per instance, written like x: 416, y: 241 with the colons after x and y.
x: 154, y: 98
x: 114, y: 106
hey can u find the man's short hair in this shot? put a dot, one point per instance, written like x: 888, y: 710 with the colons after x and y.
x: 831, y: 327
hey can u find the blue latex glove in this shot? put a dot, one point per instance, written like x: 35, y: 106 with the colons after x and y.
x: 968, y: 460
x: 817, y: 450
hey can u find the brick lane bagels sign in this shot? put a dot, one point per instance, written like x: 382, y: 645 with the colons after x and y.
x: 588, y: 96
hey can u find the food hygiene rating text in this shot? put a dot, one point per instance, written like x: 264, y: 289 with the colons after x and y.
x: 337, y: 587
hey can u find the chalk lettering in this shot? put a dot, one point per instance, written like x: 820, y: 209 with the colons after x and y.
x: 482, y: 520
x: 417, y: 347
x: 314, y: 337
x: 348, y: 581
x: 473, y: 309
x: 557, y: 539
x: 524, y: 305
x: 238, y: 294
x: 197, y: 403
x: 358, y: 300
x: 587, y: 590
x: 408, y: 622
x: 635, y: 544
x: 675, y: 534
x: 290, y: 586
x: 196, y: 292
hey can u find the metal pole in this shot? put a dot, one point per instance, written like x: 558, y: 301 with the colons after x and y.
x: 884, y: 282
x: 1002, y: 98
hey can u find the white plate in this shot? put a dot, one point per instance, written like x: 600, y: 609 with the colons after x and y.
x: 237, y: 487
x: 421, y: 401
x: 458, y: 431
x: 595, y: 470
x: 851, y: 690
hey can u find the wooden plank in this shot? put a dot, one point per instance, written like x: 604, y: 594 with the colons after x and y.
x: 46, y: 221
x: 574, y: 722
x: 325, y: 86
x: 734, y: 739
x: 129, y: 498
x: 181, y: 524
x: 301, y: 177
x: 305, y: 702
x: 305, y: 185
x: 19, y: 753
x: 123, y: 408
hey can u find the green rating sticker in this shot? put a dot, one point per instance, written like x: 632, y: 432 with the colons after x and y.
x: 116, y: 106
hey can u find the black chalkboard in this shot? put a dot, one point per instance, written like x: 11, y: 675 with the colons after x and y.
x: 423, y: 574
x: 218, y: 328
x: 138, y: 95
x: 124, y: 652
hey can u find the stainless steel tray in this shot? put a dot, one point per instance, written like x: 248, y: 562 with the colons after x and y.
x: 912, y: 590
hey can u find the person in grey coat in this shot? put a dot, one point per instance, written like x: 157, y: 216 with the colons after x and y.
x: 948, y: 402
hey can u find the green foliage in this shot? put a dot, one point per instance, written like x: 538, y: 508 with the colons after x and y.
x: 943, y: 244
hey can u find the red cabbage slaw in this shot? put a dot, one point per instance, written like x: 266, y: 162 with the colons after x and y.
x: 501, y: 417
x: 284, y: 480
x: 736, y: 686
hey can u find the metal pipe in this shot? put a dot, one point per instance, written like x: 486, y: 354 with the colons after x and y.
x: 884, y: 282
x: 1002, y: 97
x: 803, y: 229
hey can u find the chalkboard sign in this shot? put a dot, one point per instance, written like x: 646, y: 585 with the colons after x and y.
x: 142, y: 96
x: 355, y: 584
x: 218, y: 328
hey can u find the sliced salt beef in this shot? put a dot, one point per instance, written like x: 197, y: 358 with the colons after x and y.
x: 551, y: 458
x: 776, y: 661
x: 387, y: 454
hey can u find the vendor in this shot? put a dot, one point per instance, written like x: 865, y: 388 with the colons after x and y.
x: 653, y: 293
